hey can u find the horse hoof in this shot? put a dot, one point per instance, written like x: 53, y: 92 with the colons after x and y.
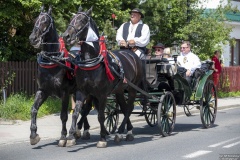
x: 62, y: 143
x: 86, y: 136
x: 118, y: 138
x: 101, y: 144
x: 129, y: 137
x: 70, y: 142
x: 78, y: 134
x: 35, y: 140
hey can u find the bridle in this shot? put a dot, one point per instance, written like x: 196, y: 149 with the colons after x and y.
x: 37, y: 24
x: 72, y: 24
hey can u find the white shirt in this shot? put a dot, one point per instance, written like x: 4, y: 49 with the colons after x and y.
x: 139, y: 41
x: 75, y: 48
x: 189, y: 61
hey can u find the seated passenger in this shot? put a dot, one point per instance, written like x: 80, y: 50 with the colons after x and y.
x: 151, y: 72
x: 158, y: 50
x: 188, y: 60
x: 168, y: 55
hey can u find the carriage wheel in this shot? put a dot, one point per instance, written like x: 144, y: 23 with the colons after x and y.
x: 208, y: 104
x: 151, y: 115
x: 111, y: 118
x: 166, y: 114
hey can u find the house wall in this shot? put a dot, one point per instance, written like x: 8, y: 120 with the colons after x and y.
x: 228, y: 58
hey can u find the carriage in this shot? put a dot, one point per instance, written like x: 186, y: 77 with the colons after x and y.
x: 98, y: 74
x: 167, y: 90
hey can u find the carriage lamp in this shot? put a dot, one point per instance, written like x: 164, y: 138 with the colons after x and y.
x: 175, y: 51
x: 175, y: 48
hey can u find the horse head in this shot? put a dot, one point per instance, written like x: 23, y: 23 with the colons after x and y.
x: 78, y: 27
x: 42, y: 27
x: 82, y: 28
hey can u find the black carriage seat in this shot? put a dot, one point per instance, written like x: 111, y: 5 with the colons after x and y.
x: 166, y: 68
x: 200, y: 72
x: 151, y: 72
x: 166, y: 72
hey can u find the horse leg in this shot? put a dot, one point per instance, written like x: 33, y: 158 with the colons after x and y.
x: 122, y: 103
x: 85, y: 111
x: 71, y: 140
x: 101, y: 118
x: 127, y: 109
x: 39, y: 99
x: 64, y: 118
x: 130, y: 103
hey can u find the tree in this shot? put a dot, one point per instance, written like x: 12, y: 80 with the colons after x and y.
x: 169, y: 21
x: 177, y: 20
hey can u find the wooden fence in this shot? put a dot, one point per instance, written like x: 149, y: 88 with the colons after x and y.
x: 26, y: 72
x: 19, y: 77
x: 229, y: 79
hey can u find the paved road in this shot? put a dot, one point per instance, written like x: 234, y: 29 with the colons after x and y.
x: 50, y: 126
x: 188, y: 141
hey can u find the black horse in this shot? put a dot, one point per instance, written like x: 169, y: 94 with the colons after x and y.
x: 54, y: 78
x: 100, y: 73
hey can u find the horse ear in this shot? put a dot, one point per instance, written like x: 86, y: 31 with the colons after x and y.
x: 42, y: 8
x: 89, y: 12
x: 80, y: 9
x: 50, y: 10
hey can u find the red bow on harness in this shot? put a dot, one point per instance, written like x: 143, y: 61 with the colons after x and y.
x: 63, y: 49
x: 103, y: 51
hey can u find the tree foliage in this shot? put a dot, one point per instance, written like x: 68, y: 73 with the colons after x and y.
x: 169, y: 21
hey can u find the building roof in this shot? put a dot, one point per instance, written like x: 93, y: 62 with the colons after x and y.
x: 233, y: 16
x: 230, y: 16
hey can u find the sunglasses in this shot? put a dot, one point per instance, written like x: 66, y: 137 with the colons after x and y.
x: 158, y: 50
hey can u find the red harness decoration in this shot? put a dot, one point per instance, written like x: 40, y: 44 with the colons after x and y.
x: 48, y: 66
x: 103, y: 51
x: 63, y: 49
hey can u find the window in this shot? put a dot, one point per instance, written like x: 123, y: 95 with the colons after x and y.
x: 235, y: 54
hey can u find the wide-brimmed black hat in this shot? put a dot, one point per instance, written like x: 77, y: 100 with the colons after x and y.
x: 137, y: 11
x: 159, y: 45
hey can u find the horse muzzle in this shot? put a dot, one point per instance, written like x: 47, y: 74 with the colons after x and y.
x: 35, y: 42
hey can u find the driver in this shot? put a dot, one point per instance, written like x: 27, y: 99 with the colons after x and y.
x: 188, y: 60
x: 134, y: 34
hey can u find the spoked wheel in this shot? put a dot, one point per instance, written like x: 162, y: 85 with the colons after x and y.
x: 111, y: 118
x: 208, y: 104
x: 151, y: 115
x: 166, y: 114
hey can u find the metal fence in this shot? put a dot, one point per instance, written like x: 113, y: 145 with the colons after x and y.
x: 25, y: 77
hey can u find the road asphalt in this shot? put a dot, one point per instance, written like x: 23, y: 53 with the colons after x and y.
x: 50, y: 126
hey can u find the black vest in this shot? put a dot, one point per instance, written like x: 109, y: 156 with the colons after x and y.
x: 138, y: 32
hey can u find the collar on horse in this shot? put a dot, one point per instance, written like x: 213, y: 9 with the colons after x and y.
x: 94, y: 63
x: 46, y: 61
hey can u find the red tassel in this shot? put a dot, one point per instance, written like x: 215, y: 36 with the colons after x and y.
x: 62, y: 48
x: 103, y: 51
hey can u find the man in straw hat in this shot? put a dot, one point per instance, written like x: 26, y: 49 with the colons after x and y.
x: 134, y: 34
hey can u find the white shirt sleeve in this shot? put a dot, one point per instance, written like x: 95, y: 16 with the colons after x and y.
x: 119, y: 35
x: 145, y: 37
x: 139, y: 41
